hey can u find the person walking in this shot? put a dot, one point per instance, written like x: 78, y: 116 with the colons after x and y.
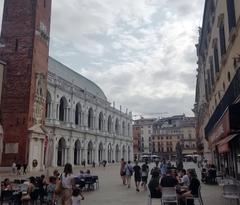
x: 145, y: 171
x: 137, y: 175
x: 129, y: 173
x: 122, y: 171
x: 163, y: 167
x: 67, y: 180
x: 25, y: 168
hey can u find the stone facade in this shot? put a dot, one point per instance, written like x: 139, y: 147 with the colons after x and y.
x: 167, y: 132
x: 218, y: 75
x: 143, y: 131
x: 81, y: 123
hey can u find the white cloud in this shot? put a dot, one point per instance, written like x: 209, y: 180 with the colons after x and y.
x: 141, y: 52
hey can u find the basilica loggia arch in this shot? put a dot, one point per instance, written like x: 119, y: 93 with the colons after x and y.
x: 77, y: 153
x: 90, y: 153
x: 100, y: 152
x: 110, y: 153
x: 78, y: 114
x: 63, y: 110
x: 48, y: 110
x: 117, y: 153
x: 61, y: 152
x: 124, y: 153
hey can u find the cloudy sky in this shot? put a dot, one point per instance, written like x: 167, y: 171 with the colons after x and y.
x: 140, y: 52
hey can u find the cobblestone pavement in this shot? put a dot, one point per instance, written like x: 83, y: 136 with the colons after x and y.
x: 112, y: 192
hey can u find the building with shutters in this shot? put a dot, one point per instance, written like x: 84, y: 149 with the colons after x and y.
x: 217, y: 105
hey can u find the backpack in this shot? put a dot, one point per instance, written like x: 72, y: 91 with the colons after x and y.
x: 144, y: 168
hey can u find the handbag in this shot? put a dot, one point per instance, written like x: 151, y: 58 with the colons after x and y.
x: 59, y: 187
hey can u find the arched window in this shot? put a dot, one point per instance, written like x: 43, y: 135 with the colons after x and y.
x: 123, y: 128
x: 109, y: 124
x: 78, y: 113
x: 63, y: 109
x: 100, y: 121
x: 48, y: 105
x: 90, y: 118
x: 117, y: 126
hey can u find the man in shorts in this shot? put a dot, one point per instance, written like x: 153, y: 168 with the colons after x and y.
x: 145, y: 171
x: 137, y: 175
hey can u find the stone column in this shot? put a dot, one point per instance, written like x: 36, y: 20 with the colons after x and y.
x: 57, y: 112
x: 96, y: 155
x: 71, y: 153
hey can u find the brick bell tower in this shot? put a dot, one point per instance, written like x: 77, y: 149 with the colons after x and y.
x: 25, y: 36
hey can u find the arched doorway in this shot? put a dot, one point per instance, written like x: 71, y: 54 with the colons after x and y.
x: 90, y: 153
x: 61, y: 155
x: 90, y: 118
x: 109, y: 153
x: 100, y: 153
x: 48, y: 105
x: 117, y: 153
x: 78, y: 113
x: 77, y: 153
x: 124, y: 153
x: 63, y: 110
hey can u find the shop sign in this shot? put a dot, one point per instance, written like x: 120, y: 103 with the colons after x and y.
x: 221, y: 130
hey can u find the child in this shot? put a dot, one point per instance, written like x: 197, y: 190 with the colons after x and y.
x: 76, y: 199
x: 51, y: 191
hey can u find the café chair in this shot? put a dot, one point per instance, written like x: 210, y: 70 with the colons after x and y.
x: 169, y: 195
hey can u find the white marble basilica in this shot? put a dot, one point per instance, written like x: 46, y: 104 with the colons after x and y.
x: 81, y: 124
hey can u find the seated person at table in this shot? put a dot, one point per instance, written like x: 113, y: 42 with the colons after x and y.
x: 154, y: 187
x: 51, y: 190
x: 185, y: 181
x: 81, y: 175
x: 88, y: 173
x: 193, y: 187
x: 211, y: 174
x: 6, y: 185
x: 168, y: 180
x: 30, y: 190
